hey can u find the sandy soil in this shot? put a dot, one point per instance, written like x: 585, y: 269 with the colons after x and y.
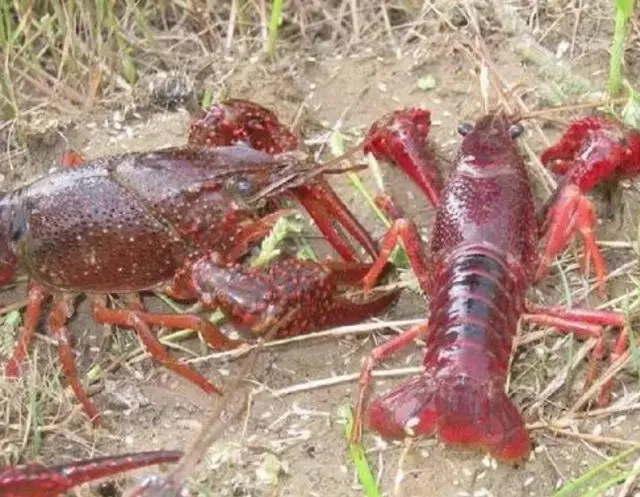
x: 150, y: 408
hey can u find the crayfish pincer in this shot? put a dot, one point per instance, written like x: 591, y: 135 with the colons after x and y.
x: 142, y: 222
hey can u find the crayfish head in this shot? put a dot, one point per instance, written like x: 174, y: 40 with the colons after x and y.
x: 490, y: 140
x: 288, y: 171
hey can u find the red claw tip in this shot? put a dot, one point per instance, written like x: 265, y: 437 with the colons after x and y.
x: 399, y: 137
x: 235, y: 120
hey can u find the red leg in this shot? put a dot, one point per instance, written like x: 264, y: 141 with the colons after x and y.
x: 323, y: 221
x: 133, y: 318
x: 405, y: 231
x: 207, y: 330
x: 572, y: 212
x: 35, y: 299
x: 585, y: 324
x: 61, y: 312
x: 377, y: 355
x: 36, y: 480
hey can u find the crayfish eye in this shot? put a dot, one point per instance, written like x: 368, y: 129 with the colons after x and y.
x: 515, y: 130
x: 240, y: 185
x: 464, y: 128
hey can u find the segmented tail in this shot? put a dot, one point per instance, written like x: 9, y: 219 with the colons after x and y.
x: 460, y: 398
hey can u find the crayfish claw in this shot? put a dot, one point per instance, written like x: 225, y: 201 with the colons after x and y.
x: 399, y: 138
x: 570, y: 213
x: 253, y: 297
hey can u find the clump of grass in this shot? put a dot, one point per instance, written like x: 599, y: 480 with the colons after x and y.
x: 72, y: 55
x: 68, y: 49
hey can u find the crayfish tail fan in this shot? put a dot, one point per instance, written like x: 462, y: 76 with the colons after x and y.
x: 480, y: 414
x: 459, y: 410
x: 408, y: 409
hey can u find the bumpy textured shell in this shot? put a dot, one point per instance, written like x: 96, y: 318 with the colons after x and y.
x: 127, y: 223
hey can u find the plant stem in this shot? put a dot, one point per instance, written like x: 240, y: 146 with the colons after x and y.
x: 274, y: 24
x: 624, y: 9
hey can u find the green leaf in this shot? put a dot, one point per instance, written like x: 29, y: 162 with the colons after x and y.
x: 207, y: 98
x: 269, y: 248
x: 306, y: 253
x: 12, y: 319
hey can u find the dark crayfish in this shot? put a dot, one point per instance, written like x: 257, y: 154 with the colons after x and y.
x: 174, y: 220
x: 483, y: 257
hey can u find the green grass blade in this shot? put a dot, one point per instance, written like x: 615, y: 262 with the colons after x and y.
x: 600, y: 490
x: 573, y: 486
x: 336, y: 143
x: 207, y: 99
x: 274, y: 27
x: 356, y: 451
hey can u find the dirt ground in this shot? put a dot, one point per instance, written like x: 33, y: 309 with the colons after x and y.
x: 149, y: 408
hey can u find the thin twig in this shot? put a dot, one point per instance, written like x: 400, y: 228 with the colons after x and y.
x: 596, y: 439
x: 333, y: 333
x: 345, y: 378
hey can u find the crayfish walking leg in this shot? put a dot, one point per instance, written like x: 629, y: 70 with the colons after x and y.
x: 54, y: 481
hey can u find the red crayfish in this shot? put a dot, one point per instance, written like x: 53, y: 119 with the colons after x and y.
x: 483, y: 257
x: 54, y: 481
x: 177, y: 220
